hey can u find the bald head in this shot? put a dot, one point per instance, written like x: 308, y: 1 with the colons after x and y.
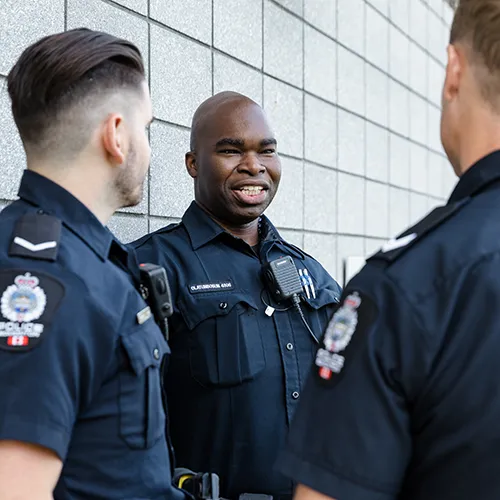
x: 208, y: 110
x: 233, y: 158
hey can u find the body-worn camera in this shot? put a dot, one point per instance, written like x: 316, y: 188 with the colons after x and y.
x: 156, y: 292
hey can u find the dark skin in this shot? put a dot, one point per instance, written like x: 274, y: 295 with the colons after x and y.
x: 234, y: 163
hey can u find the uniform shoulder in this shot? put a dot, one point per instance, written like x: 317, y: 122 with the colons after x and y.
x: 152, y: 238
x: 39, y: 244
x: 451, y: 238
x: 34, y: 235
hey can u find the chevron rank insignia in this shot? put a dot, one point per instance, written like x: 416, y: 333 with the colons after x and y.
x: 36, y: 236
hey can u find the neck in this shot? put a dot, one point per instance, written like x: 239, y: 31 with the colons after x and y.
x: 479, y: 140
x: 91, y: 189
x: 248, y: 232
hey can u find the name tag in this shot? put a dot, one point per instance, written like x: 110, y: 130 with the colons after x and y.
x: 220, y: 286
x: 143, y: 315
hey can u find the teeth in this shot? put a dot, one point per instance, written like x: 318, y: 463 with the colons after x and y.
x: 251, y: 189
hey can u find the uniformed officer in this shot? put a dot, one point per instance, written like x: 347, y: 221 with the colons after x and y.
x: 403, y: 401
x: 80, y: 414
x: 239, y: 358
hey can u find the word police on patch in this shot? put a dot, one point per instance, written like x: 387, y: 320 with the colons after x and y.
x: 26, y: 306
x: 221, y: 286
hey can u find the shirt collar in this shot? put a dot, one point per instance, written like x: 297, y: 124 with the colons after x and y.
x: 55, y: 200
x: 482, y: 173
x: 202, y: 228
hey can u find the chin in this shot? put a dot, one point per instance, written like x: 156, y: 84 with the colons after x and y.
x: 132, y: 201
x: 254, y: 211
x: 245, y: 215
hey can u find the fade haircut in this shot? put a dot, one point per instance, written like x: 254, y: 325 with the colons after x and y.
x: 61, y: 73
x: 476, y: 24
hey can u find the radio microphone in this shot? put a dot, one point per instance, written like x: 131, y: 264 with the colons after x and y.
x: 284, y: 283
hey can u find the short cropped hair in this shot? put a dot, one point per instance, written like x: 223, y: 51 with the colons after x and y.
x: 477, y: 24
x: 61, y: 70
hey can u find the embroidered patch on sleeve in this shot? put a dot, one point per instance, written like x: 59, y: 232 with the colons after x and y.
x: 28, y: 302
x: 343, y: 335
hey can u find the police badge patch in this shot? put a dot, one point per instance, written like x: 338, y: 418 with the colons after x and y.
x: 27, y: 304
x: 355, y: 315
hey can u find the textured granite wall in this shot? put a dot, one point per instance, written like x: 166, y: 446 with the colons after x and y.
x: 351, y: 86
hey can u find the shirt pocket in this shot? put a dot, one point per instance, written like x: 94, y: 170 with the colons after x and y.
x: 142, y: 417
x: 225, y: 340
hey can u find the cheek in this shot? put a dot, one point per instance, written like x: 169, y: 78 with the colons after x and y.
x: 219, y: 171
x: 274, y: 170
x: 145, y: 148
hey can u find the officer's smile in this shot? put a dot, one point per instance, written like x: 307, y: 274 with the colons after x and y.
x: 251, y: 193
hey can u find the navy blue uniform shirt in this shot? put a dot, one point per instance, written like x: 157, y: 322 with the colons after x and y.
x: 403, y: 401
x: 235, y: 374
x: 79, y: 370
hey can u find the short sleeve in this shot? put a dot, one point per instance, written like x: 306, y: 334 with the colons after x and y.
x: 351, y: 436
x: 54, y: 347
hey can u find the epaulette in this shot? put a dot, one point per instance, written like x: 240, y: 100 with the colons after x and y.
x: 36, y: 236
x: 395, y: 248
x: 141, y: 241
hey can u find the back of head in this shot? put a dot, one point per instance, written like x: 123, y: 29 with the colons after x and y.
x: 470, y: 118
x: 476, y: 26
x: 57, y: 83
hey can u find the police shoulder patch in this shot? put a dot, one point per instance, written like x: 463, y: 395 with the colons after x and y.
x: 36, y: 236
x: 27, y: 305
x: 343, y: 335
x: 394, y: 248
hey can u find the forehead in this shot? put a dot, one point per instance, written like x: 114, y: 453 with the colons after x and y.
x: 237, y: 120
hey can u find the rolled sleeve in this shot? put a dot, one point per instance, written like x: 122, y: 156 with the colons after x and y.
x: 54, y: 438
x: 328, y: 481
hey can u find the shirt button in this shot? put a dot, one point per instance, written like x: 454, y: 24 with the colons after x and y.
x: 223, y: 305
x: 156, y: 354
x: 289, y: 346
x: 295, y: 395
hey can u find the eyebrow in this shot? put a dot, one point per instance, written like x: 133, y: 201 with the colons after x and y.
x: 239, y: 143
x: 268, y: 142
x: 227, y: 141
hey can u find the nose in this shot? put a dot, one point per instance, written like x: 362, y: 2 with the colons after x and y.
x: 251, y: 165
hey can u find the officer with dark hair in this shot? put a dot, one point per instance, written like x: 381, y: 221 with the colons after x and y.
x: 81, y: 412
x: 403, y: 402
x: 239, y: 355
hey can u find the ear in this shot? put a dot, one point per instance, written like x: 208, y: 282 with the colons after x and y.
x: 191, y: 165
x: 114, y: 138
x: 454, y: 73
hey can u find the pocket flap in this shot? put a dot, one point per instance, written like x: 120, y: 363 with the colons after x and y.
x: 195, y: 309
x: 323, y: 298
x: 145, y: 346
